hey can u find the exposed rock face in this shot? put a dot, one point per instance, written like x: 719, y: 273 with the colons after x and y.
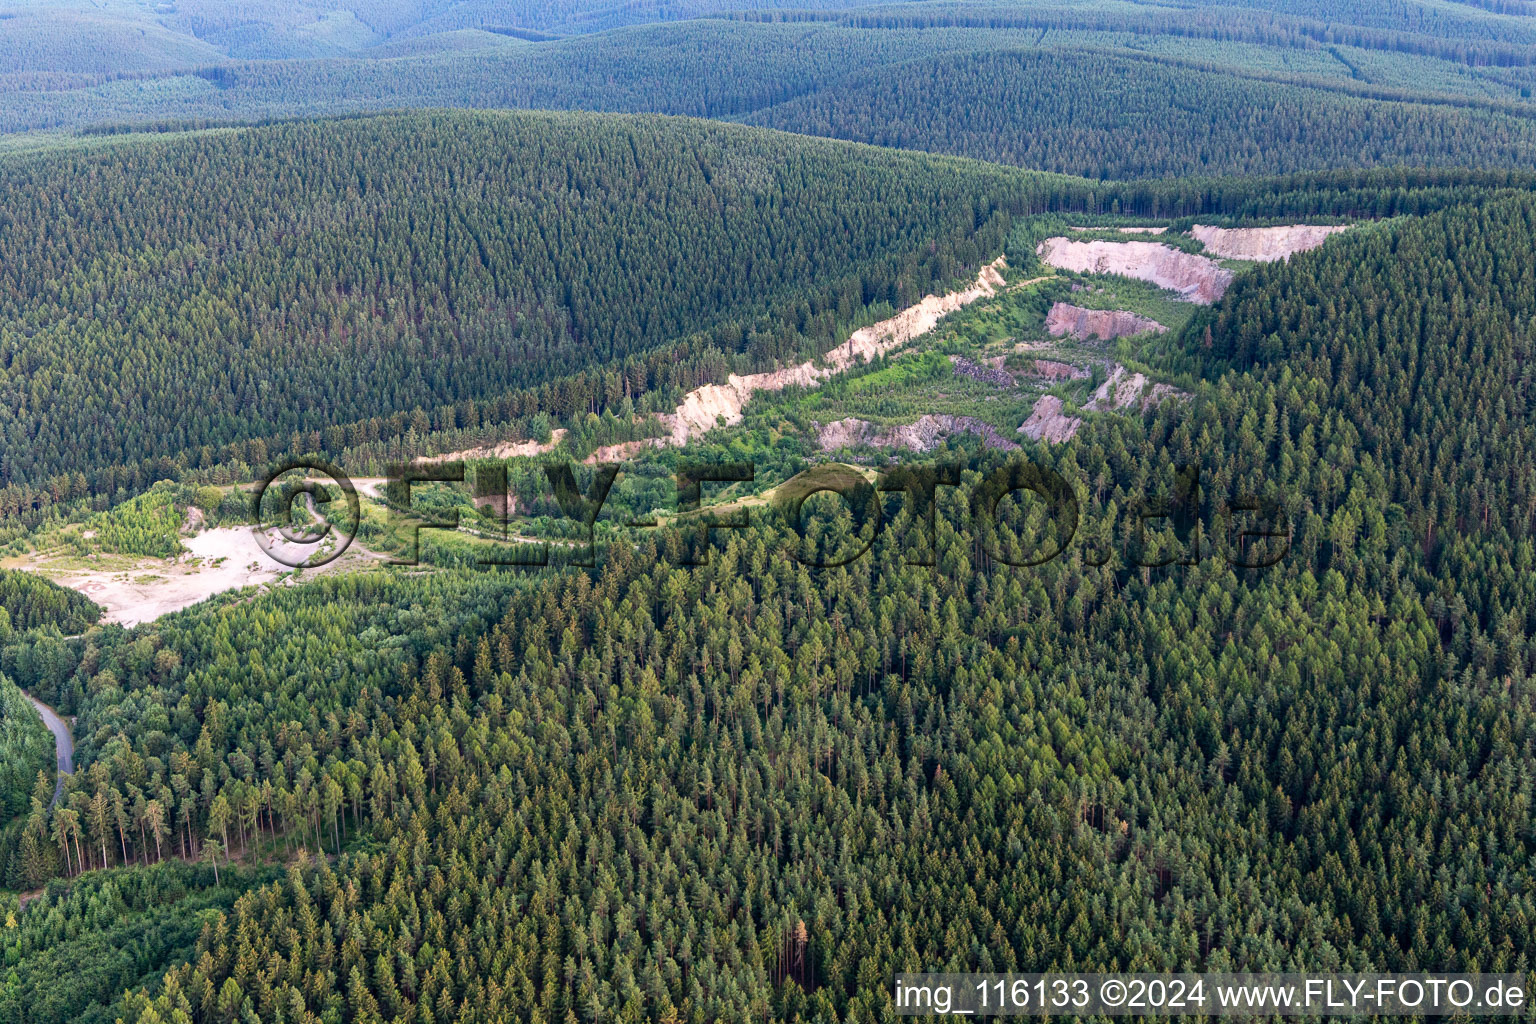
x: 193, y: 521
x: 1196, y: 278
x: 926, y: 434
x: 1122, y: 391
x: 1104, y: 324
x: 1052, y: 370
x: 987, y: 374
x: 914, y: 321
x: 703, y: 408
x: 1265, y: 245
x: 626, y: 450
x: 1125, y: 390
x: 1048, y: 423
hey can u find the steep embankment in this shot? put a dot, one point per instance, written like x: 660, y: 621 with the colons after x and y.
x: 1196, y: 278
x: 504, y: 450
x: 703, y: 409
x: 1264, y: 245
x: 924, y: 434
x: 1127, y: 390
x: 1104, y: 324
x: 1047, y: 422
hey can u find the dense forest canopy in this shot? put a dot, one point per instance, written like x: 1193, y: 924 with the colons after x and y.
x: 1299, y: 85
x: 1112, y: 116
x: 303, y: 276
x: 32, y: 602
x: 649, y: 786
x: 356, y: 284
x: 649, y: 791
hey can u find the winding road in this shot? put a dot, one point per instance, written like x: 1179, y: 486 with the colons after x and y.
x: 62, y: 740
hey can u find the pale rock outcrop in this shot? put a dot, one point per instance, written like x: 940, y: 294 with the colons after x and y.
x: 707, y: 407
x: 1048, y: 423
x: 1264, y: 245
x: 1197, y: 278
x: 626, y: 450
x: 1104, y: 324
x: 1125, y: 390
x: 924, y: 434
x: 704, y: 408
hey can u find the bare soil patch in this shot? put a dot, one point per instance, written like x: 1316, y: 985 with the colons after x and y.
x: 219, y: 560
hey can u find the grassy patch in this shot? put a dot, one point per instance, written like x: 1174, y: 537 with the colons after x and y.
x: 1140, y: 297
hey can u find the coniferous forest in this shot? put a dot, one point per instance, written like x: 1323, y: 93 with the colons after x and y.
x: 693, y: 774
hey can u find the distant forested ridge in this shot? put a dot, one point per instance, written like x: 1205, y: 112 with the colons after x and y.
x: 656, y: 790
x: 1039, y: 85
x: 1112, y: 116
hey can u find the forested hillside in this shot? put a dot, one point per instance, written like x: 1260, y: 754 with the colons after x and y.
x: 26, y: 748
x: 1109, y: 116
x: 29, y: 602
x: 650, y: 792
x: 109, y: 934
x: 1254, y: 282
x: 357, y: 284
x: 26, y: 771
x: 391, y: 271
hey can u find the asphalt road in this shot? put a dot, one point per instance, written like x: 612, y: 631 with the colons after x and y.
x: 63, y: 742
